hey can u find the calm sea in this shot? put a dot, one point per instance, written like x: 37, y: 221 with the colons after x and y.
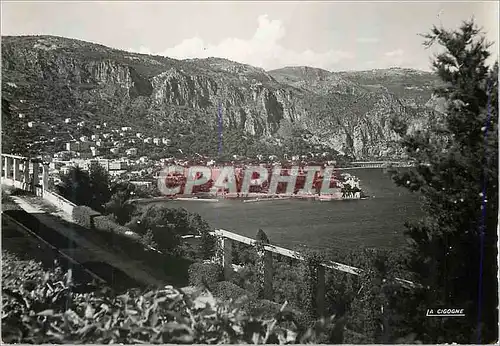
x: 374, y: 222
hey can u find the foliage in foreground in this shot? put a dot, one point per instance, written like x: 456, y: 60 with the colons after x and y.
x: 41, y: 307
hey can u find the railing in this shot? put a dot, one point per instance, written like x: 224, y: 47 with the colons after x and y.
x: 22, y: 172
x: 226, y: 240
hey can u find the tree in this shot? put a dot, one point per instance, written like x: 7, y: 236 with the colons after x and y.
x: 75, y: 186
x: 100, y: 186
x: 86, y: 188
x: 453, y: 250
x: 119, y: 205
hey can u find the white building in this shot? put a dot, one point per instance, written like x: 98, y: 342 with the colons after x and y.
x: 30, y: 124
x: 72, y: 146
x: 67, y: 120
x: 84, y: 138
x: 138, y: 135
x: 141, y: 183
x: 95, y: 137
x: 114, y: 150
x: 131, y: 151
x: 147, y: 140
x: 80, y: 124
x: 126, y: 128
x: 156, y: 141
x: 106, y: 135
x: 165, y: 141
x: 117, y: 165
x: 21, y: 116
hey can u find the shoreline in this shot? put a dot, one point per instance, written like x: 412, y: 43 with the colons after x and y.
x: 250, y: 198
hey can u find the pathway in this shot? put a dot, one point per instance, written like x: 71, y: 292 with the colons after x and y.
x: 61, y: 222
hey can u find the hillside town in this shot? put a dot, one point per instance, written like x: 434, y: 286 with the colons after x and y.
x: 116, y: 150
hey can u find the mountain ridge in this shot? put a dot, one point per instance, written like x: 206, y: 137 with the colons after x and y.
x: 339, y: 111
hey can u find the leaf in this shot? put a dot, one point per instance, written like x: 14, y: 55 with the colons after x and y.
x: 89, y: 312
x: 48, y: 312
x: 153, y: 318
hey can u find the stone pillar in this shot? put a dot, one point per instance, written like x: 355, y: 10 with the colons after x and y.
x: 36, y: 172
x: 17, y: 175
x: 8, y: 167
x: 320, y: 292
x: 315, y: 278
x: 26, y: 175
x: 45, y: 177
x: 265, y: 266
x: 227, y: 257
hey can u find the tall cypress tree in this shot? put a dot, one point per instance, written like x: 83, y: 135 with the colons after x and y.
x: 454, y: 249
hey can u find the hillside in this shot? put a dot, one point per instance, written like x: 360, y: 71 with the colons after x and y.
x: 291, y: 110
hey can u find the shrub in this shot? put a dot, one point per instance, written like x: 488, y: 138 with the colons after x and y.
x: 148, y: 239
x: 84, y: 215
x: 245, y: 299
x: 204, y: 274
x: 246, y: 278
x: 105, y: 223
x: 227, y: 290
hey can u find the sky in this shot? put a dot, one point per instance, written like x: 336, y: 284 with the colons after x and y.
x: 336, y: 36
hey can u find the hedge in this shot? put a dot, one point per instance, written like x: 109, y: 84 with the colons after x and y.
x: 105, y: 223
x: 84, y: 215
x: 205, y: 274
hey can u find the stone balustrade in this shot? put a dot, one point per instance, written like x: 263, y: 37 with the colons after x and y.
x: 226, y: 240
x: 24, y: 173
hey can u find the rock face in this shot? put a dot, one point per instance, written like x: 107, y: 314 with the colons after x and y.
x: 349, y: 112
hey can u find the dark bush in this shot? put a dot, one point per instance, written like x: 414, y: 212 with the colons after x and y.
x: 227, y: 290
x: 247, y: 300
x: 246, y: 278
x: 105, y: 223
x: 208, y: 245
x: 204, y: 274
x: 261, y: 307
x: 84, y: 215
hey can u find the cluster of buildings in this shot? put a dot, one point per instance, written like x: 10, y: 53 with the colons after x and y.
x: 110, y: 141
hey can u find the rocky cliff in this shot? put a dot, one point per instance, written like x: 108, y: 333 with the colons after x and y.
x: 49, y: 79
